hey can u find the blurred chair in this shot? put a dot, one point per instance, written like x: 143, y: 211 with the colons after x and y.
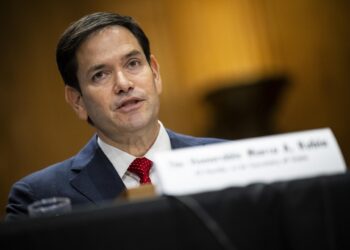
x: 246, y: 109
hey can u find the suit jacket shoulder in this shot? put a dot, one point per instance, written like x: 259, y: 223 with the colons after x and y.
x: 86, y: 178
x: 182, y: 141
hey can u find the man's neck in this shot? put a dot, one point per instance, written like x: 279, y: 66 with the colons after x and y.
x: 136, y: 143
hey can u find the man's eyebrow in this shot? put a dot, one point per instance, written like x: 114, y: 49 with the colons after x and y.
x: 95, y: 68
x: 131, y: 54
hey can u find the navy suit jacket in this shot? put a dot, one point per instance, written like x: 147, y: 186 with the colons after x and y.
x: 86, y: 178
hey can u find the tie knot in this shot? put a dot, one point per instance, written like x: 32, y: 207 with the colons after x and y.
x: 141, y: 167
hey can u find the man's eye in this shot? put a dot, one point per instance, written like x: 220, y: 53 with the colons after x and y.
x: 98, y: 76
x: 132, y: 64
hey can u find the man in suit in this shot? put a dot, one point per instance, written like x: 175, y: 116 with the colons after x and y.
x: 113, y: 82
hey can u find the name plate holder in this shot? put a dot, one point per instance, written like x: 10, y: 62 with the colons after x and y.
x: 242, y: 162
x: 145, y: 191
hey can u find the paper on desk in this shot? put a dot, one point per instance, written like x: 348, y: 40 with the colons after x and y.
x: 237, y: 163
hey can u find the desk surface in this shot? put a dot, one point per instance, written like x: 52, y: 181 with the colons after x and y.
x: 301, y: 214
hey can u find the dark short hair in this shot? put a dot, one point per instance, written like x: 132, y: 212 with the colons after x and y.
x: 79, y: 31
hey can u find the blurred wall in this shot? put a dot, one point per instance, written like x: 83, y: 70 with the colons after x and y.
x: 200, y: 44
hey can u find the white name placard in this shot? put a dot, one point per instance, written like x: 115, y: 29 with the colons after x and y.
x: 238, y: 163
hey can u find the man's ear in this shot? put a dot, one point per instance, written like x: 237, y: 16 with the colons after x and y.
x: 75, y: 100
x: 156, y: 74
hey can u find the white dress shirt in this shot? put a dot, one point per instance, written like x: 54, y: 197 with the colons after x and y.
x: 121, y: 160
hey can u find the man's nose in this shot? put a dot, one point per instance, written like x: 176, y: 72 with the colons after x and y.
x: 122, y: 83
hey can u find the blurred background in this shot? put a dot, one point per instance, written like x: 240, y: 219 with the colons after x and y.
x: 230, y: 68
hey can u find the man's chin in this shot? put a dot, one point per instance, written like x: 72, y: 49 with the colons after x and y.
x: 133, y: 126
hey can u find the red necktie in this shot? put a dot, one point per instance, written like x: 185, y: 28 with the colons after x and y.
x: 141, y: 167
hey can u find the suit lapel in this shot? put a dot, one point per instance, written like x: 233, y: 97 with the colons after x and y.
x: 95, y: 176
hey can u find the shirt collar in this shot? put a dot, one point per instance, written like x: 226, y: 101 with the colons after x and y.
x: 121, y: 160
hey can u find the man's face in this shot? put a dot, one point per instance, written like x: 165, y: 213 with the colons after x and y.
x: 119, y: 88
